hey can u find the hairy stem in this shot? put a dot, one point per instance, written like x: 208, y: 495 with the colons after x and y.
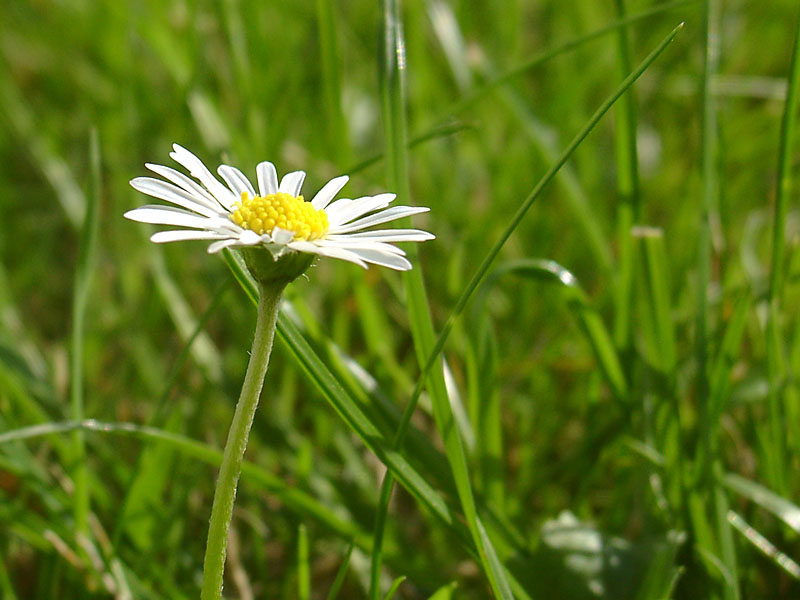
x: 225, y: 493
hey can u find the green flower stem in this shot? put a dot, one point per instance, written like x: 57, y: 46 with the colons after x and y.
x: 225, y: 493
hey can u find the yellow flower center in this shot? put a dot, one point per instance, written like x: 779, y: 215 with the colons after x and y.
x: 263, y: 214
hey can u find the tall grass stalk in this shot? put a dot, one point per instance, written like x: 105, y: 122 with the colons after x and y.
x: 710, y: 197
x: 303, y: 565
x: 776, y: 364
x: 628, y: 207
x: 392, y: 76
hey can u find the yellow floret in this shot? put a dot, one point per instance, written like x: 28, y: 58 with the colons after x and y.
x: 263, y: 214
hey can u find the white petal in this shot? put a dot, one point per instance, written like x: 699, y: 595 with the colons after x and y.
x: 357, y: 208
x: 186, y: 234
x: 292, y: 182
x: 217, y: 246
x: 171, y: 193
x: 390, y: 214
x: 249, y: 238
x: 312, y: 248
x: 385, y: 259
x: 165, y: 215
x: 282, y: 236
x: 199, y: 171
x: 335, y: 208
x: 304, y: 246
x: 187, y: 184
x: 267, y: 178
x: 387, y: 235
x: 236, y: 180
x: 328, y: 192
x: 348, y: 244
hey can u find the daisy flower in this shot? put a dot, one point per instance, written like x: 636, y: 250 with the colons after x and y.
x: 276, y: 217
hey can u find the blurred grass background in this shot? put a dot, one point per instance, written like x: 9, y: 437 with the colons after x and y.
x: 619, y: 444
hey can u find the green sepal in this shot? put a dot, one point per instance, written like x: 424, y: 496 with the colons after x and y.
x: 268, y: 269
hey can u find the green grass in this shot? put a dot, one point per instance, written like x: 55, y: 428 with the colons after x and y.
x: 584, y: 389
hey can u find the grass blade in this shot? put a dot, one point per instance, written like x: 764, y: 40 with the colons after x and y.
x: 378, y: 531
x: 784, y: 183
x: 394, y: 587
x: 83, y: 277
x: 628, y: 208
x: 764, y: 545
x: 338, y: 581
x: 445, y: 592
x: 709, y: 206
x: 303, y: 566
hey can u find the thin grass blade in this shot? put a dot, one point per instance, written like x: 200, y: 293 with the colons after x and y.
x: 298, y: 500
x: 87, y: 259
x: 303, y: 566
x: 776, y: 362
x: 628, y: 207
x: 394, y: 587
x: 764, y: 545
x: 341, y: 573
